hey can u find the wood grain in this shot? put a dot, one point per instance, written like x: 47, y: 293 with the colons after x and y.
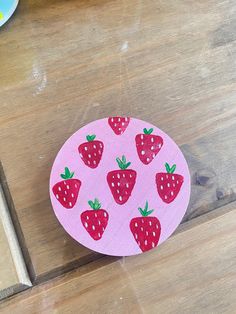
x: 13, y: 274
x: 192, y: 272
x: 66, y: 63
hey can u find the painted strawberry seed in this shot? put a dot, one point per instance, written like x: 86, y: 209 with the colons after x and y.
x: 148, y: 145
x: 95, y: 220
x: 91, y: 151
x: 66, y: 191
x: 121, y: 182
x: 169, y: 184
x: 146, y: 229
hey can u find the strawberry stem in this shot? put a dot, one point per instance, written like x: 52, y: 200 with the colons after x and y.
x: 122, y: 163
x: 145, y: 131
x: 170, y: 169
x: 94, y: 205
x: 90, y: 138
x: 145, y: 212
x: 67, y: 175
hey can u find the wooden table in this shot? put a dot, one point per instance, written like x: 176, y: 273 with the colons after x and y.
x: 66, y: 63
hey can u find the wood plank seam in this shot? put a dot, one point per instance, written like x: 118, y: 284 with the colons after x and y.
x: 16, y: 224
x: 102, y: 261
x: 92, y: 271
x: 14, y: 249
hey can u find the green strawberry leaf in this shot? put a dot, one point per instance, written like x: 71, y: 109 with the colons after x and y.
x: 167, y: 167
x: 67, y: 174
x: 96, y: 203
x: 90, y: 138
x: 145, y: 131
x: 146, y: 206
x: 91, y: 204
x: 122, y: 163
x: 172, y: 169
x: 141, y: 211
x: 149, y: 212
x: 145, y: 212
x: 128, y: 164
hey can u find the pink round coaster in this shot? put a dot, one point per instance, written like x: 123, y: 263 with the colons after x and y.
x: 120, y: 186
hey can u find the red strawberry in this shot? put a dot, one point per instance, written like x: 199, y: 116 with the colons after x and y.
x: 91, y: 151
x: 67, y: 191
x: 146, y: 230
x: 148, y: 145
x: 168, y: 184
x: 121, y: 182
x: 118, y: 124
x: 95, y: 221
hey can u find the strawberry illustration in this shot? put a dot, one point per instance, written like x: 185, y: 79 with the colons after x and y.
x: 118, y: 124
x: 95, y: 220
x: 91, y: 151
x: 121, y: 182
x: 67, y: 190
x: 148, y: 145
x: 146, y: 230
x: 168, y: 184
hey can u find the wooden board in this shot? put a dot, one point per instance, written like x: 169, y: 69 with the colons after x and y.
x: 66, y: 63
x: 13, y: 274
x: 193, y: 272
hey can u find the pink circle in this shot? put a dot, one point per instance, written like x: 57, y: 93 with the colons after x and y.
x: 118, y: 227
